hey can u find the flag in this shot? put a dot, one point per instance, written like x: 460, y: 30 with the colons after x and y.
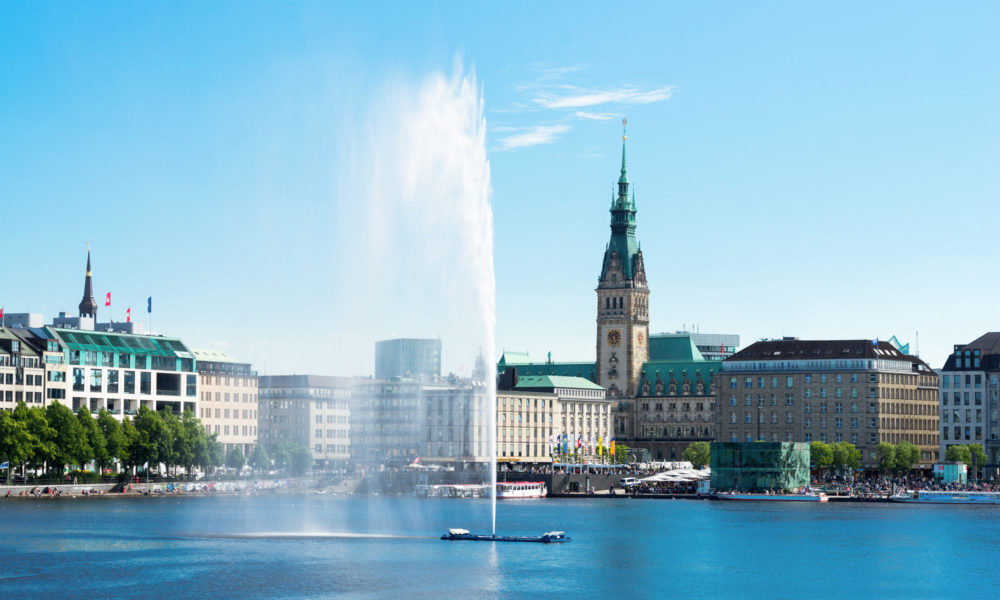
x: 416, y: 461
x: 612, y: 446
x: 4, y: 465
x: 107, y: 301
x: 149, y: 304
x: 579, y: 441
x: 600, y: 446
x: 128, y: 315
x: 722, y: 348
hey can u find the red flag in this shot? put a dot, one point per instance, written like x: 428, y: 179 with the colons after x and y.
x: 128, y: 315
x: 722, y: 349
x: 1, y: 313
x: 107, y: 301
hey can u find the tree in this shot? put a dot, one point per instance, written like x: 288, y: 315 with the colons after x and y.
x: 845, y: 457
x: 302, y: 459
x: 906, y: 455
x: 821, y: 453
x: 41, y: 435
x: 235, y: 458
x: 886, y: 453
x: 168, y: 443
x: 115, y: 443
x: 282, y: 456
x: 70, y: 447
x: 621, y: 454
x: 698, y: 454
x: 259, y: 459
x: 963, y: 453
x: 130, y: 444
x: 150, y: 438
x: 94, y: 437
x: 15, y: 441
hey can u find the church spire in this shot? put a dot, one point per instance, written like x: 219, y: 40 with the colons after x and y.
x: 88, y: 306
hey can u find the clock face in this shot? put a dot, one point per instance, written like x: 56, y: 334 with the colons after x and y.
x: 614, y: 337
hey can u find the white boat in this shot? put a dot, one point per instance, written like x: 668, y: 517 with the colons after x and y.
x: 521, y: 489
x: 820, y: 497
x: 944, y: 497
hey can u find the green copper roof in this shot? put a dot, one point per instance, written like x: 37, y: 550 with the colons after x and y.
x: 556, y: 381
x: 680, y: 370
x: 511, y: 359
x: 106, y: 341
x: 584, y: 369
x: 673, y: 347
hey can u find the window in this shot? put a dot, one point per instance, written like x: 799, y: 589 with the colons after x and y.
x: 838, y: 407
x: 809, y: 437
x: 807, y: 408
x: 790, y: 381
x: 748, y: 421
x: 808, y: 378
x: 873, y: 438
x: 789, y: 400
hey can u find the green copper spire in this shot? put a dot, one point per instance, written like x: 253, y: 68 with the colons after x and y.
x: 623, y: 241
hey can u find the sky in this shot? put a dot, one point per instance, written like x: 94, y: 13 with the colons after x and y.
x: 800, y: 169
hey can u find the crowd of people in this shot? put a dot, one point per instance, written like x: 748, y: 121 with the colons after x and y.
x: 885, y: 486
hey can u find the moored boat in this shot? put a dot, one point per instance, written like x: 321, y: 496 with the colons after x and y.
x: 521, y: 489
x: 946, y: 497
x: 820, y: 497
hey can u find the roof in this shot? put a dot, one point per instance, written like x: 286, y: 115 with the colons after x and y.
x: 106, y: 341
x: 555, y: 381
x: 796, y: 349
x: 215, y: 356
x: 988, y: 345
x: 673, y: 347
x: 510, y: 358
x: 587, y: 370
x: 303, y: 381
x: 7, y: 335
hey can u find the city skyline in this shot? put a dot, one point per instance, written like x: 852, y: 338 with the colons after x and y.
x: 795, y: 173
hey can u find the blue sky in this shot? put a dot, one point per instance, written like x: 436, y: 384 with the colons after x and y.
x: 820, y: 171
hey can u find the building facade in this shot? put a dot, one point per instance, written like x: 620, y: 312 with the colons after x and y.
x: 407, y: 357
x: 856, y: 391
x: 22, y: 372
x: 311, y: 410
x: 968, y: 396
x: 387, y: 419
x: 228, y: 390
x: 526, y: 425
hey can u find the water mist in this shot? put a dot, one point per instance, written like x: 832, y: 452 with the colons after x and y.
x: 417, y: 200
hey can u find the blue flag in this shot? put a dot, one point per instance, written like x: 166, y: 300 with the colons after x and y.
x: 149, y: 304
x: 4, y: 465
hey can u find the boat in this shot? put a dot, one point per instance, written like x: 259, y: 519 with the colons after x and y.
x: 550, y: 537
x: 521, y: 489
x: 946, y: 497
x: 457, y: 490
x: 820, y: 497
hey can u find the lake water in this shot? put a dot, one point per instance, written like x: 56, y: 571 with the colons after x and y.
x: 237, y: 547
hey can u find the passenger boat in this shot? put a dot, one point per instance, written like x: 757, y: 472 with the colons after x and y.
x: 945, y: 497
x: 521, y: 489
x: 550, y: 537
x: 820, y: 497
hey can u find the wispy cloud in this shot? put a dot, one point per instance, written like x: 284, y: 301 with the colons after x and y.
x: 578, y: 98
x: 532, y: 136
x: 594, y: 116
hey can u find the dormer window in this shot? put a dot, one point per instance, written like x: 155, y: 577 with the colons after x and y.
x: 15, y: 346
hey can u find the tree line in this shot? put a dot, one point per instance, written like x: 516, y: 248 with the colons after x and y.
x: 51, y: 439
x: 843, y: 456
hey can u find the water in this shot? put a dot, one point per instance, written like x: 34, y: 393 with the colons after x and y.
x: 416, y: 199
x: 305, y: 547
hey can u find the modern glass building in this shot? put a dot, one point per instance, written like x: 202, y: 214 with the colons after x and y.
x: 407, y: 357
x: 758, y: 466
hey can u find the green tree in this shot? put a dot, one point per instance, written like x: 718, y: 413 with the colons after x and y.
x: 963, y: 453
x: 169, y: 443
x: 698, y: 454
x: 821, y: 454
x: 71, y: 447
x: 130, y: 445
x: 845, y: 457
x: 282, y: 456
x: 302, y: 459
x: 259, y: 459
x: 151, y: 440
x: 621, y: 454
x: 115, y: 445
x: 43, y: 447
x: 94, y: 437
x: 16, y: 442
x: 906, y: 455
x: 216, y: 453
x: 235, y: 458
x: 886, y: 453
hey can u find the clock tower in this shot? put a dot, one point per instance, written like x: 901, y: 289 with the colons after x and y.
x: 622, y: 301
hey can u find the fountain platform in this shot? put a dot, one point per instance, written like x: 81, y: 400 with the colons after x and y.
x: 551, y: 537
